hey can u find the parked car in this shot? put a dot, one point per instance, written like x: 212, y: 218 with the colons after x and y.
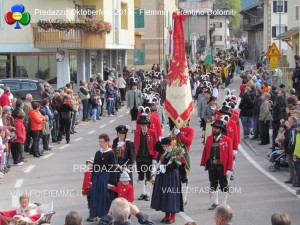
x: 19, y: 87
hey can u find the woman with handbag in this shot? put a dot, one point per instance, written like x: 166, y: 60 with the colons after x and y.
x: 47, y: 124
x: 17, y: 143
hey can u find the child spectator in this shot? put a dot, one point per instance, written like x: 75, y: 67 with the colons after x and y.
x: 87, y: 184
x: 124, y: 188
x: 17, y: 145
x: 94, y: 104
x: 98, y: 94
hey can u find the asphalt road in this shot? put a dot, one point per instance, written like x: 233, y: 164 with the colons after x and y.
x: 57, y: 177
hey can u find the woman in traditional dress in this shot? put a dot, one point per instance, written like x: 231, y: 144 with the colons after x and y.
x: 167, y: 196
x: 104, y: 174
x: 124, y: 150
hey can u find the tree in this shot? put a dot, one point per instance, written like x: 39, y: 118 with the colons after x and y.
x: 236, y: 6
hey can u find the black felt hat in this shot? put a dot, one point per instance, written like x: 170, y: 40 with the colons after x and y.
x: 122, y: 129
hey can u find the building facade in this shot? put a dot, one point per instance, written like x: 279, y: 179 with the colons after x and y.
x: 31, y: 51
x: 152, y: 22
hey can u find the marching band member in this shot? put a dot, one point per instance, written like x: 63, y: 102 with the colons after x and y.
x: 124, y: 150
x: 217, y: 158
x: 134, y: 101
x: 144, y: 140
x: 167, y: 195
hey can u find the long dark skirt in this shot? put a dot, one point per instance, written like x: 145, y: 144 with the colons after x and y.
x: 167, y: 195
x: 101, y: 196
x: 134, y: 113
x: 264, y: 132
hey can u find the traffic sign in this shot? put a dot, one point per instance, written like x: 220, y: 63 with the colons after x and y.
x: 273, y: 51
x: 273, y: 63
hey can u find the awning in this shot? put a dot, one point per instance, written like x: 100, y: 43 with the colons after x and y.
x: 291, y: 36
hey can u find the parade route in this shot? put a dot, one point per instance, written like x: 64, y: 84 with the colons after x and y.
x: 57, y: 177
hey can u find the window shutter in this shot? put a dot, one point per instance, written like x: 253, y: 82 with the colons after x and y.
x: 273, y: 31
x: 285, y: 29
x: 220, y: 24
x: 220, y: 37
x: 274, y: 6
x: 214, y: 39
x: 285, y: 6
x: 139, y: 18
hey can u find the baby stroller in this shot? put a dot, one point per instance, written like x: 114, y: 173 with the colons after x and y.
x: 278, y: 158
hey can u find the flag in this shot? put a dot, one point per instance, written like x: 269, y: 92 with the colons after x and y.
x: 178, y: 104
x: 207, y: 59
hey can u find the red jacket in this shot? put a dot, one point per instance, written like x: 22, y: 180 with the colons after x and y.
x: 226, y: 152
x: 87, y: 182
x: 4, y: 99
x: 36, y: 120
x: 20, y: 131
x: 186, y: 136
x: 236, y: 118
x: 154, y: 123
x: 231, y: 132
x: 123, y: 191
x: 151, y: 140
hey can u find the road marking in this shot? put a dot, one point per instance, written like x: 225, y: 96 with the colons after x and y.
x: 121, y: 116
x: 78, y: 139
x: 111, y: 121
x: 29, y: 168
x: 186, y: 217
x: 104, y: 125
x: 19, y: 183
x: 92, y: 131
x: 127, y: 111
x: 47, y: 156
x: 65, y: 146
x: 263, y: 171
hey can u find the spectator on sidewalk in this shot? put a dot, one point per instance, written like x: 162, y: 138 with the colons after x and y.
x: 73, y: 218
x: 292, y: 99
x: 119, y: 212
x: 296, y: 158
x: 289, y: 146
x: 280, y: 219
x: 246, y: 113
x: 256, y: 109
x: 223, y: 215
x: 264, y: 119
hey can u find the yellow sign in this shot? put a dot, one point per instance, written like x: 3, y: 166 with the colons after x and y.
x: 273, y: 63
x: 273, y: 51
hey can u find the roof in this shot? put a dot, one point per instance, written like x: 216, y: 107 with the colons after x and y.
x: 251, y: 7
x: 289, y: 33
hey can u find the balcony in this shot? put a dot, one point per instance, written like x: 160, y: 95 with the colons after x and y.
x: 72, y: 39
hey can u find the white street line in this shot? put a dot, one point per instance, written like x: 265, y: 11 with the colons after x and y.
x: 104, y: 125
x: 263, y: 171
x: 47, y: 156
x: 92, y: 131
x: 186, y: 217
x: 65, y: 146
x: 127, y: 111
x: 29, y: 168
x: 121, y: 116
x: 78, y: 139
x: 18, y: 183
x: 111, y: 121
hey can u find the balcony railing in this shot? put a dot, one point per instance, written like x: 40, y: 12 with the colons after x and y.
x: 75, y: 39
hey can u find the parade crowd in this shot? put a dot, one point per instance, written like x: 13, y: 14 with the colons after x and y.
x: 161, y: 162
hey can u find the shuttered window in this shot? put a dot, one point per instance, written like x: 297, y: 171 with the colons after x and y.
x: 139, y: 18
x: 139, y: 56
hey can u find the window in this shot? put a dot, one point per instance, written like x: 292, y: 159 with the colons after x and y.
x: 124, y: 16
x: 279, y: 6
x: 139, y: 18
x: 297, y: 13
x: 13, y: 86
x: 194, y: 20
x: 28, y: 86
x: 218, y: 38
x: 139, y: 56
x: 1, y: 21
x: 277, y: 30
x: 89, y: 12
x: 218, y: 24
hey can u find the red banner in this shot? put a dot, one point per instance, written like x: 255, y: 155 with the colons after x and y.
x: 178, y: 104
